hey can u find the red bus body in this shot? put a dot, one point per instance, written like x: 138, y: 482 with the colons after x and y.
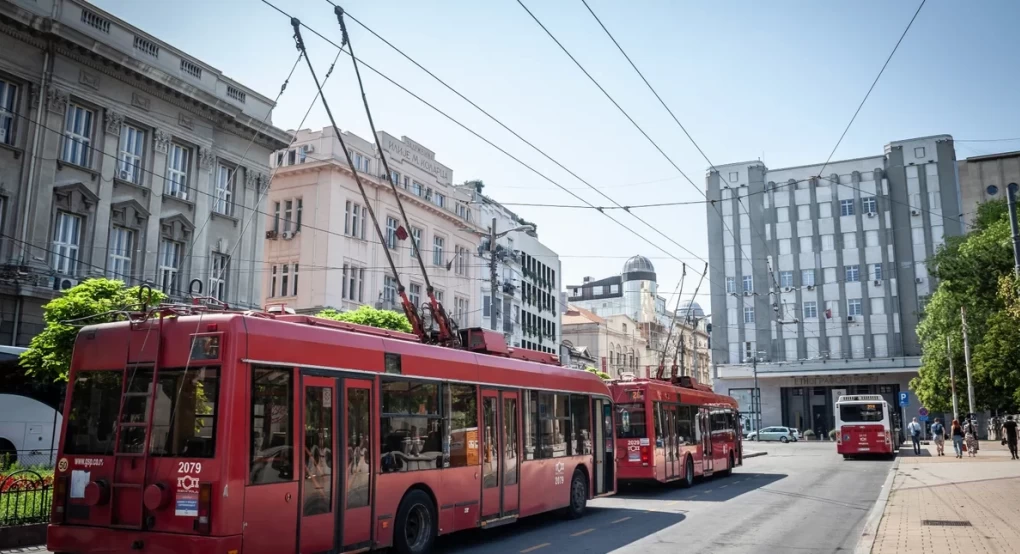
x: 674, y: 432
x: 269, y: 435
x: 864, y: 426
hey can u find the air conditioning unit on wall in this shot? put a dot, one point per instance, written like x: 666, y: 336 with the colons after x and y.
x: 64, y: 283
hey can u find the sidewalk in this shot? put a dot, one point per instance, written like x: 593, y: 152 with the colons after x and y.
x: 948, y: 505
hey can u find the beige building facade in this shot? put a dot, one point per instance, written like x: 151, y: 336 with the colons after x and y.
x: 122, y: 156
x: 323, y: 251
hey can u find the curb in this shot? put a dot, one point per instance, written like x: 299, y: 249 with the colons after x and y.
x: 754, y: 454
x: 870, y: 531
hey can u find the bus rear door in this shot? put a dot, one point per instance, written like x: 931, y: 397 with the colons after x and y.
x: 500, y: 472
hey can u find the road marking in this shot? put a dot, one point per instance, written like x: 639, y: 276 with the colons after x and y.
x: 708, y: 491
x: 723, y: 487
x: 671, y: 503
x: 534, y: 548
x: 692, y: 496
x: 622, y: 519
x: 579, y: 533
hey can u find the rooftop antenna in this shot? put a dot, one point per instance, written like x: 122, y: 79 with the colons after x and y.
x: 409, y: 309
x: 439, y: 315
x: 660, y: 373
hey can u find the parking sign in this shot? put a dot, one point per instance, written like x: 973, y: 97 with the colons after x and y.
x: 904, y: 399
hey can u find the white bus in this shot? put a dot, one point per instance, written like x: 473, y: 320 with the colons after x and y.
x: 864, y: 426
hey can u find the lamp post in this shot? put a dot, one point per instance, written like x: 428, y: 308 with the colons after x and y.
x: 756, y: 397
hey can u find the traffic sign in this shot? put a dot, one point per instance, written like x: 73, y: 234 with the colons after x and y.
x: 904, y: 399
x: 923, y: 412
x: 923, y: 418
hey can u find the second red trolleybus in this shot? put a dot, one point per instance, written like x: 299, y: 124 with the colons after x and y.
x: 674, y: 430
x: 234, y: 433
x: 864, y: 426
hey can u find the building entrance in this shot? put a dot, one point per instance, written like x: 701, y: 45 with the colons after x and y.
x: 813, y: 407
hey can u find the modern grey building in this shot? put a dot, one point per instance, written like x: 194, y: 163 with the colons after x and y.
x: 984, y: 178
x: 819, y: 273
x: 122, y: 156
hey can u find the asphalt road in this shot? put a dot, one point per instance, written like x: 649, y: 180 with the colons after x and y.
x: 799, y: 498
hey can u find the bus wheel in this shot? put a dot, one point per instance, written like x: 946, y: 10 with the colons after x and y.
x: 729, y: 469
x: 578, y: 495
x: 416, y: 524
x: 688, y: 473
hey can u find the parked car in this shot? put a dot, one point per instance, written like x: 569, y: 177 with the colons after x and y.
x: 781, y: 434
x: 797, y: 435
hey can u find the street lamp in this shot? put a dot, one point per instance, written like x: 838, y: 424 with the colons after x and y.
x: 756, y: 393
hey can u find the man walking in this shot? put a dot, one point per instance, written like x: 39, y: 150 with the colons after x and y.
x: 914, y: 428
x: 1009, y: 435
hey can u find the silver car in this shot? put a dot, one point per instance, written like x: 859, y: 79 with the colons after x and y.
x: 781, y: 434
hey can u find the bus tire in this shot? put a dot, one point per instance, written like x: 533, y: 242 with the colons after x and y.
x: 729, y: 469
x: 416, y: 524
x: 578, y: 495
x: 688, y: 473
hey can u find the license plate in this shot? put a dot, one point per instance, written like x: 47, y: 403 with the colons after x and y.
x: 634, y: 457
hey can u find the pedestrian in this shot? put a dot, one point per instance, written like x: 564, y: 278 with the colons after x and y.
x: 939, y: 434
x: 914, y: 428
x: 1009, y: 436
x: 970, y: 435
x: 957, y: 433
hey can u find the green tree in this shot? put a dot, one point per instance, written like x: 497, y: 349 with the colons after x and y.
x: 367, y: 315
x: 91, y: 302
x: 602, y: 375
x: 968, y: 268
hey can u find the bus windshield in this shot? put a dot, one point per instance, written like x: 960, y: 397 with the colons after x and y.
x: 867, y: 413
x: 630, y: 421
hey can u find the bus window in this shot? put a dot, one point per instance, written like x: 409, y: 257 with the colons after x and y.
x: 272, y: 430
x: 91, y: 423
x: 861, y: 413
x: 554, y: 419
x: 510, y: 441
x: 581, y: 422
x: 318, y: 485
x: 490, y: 456
x: 630, y: 421
x: 184, y: 421
x: 410, y: 426
x: 462, y: 407
x: 657, y: 417
x: 359, y: 448
x: 530, y: 424
x: 685, y: 425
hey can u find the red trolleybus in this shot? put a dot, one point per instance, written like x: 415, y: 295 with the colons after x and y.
x: 669, y: 432
x: 864, y: 426
x: 233, y: 433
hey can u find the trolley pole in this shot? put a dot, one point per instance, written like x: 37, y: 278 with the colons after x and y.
x: 966, y: 360
x: 492, y: 275
x: 952, y: 379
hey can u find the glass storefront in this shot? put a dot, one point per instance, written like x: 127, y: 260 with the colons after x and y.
x: 813, y: 407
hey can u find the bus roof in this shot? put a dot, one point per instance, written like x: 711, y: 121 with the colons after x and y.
x: 304, y: 341
x: 848, y: 398
x: 667, y: 391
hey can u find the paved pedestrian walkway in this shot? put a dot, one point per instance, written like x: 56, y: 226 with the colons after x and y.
x: 941, y: 504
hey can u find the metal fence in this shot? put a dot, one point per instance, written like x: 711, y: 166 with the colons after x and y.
x: 44, y: 458
x: 25, y: 498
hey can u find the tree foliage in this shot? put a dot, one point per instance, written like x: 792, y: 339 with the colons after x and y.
x: 969, y: 269
x: 602, y: 374
x: 373, y: 317
x: 93, y: 301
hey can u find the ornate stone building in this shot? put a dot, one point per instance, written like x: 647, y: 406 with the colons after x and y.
x: 122, y: 156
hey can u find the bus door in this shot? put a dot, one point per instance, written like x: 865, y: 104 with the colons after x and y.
x: 705, y: 425
x: 609, y: 475
x: 602, y: 415
x: 317, y: 458
x: 500, y: 440
x: 669, y: 428
x: 355, y: 502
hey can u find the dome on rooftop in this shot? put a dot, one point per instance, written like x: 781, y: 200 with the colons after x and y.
x: 638, y: 264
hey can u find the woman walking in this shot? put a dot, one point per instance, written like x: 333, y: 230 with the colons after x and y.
x: 970, y: 434
x: 957, y: 433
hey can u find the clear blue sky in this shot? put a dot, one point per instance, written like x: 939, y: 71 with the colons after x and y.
x: 777, y: 80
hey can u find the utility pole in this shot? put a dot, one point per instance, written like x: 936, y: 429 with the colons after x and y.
x: 756, y: 399
x: 1011, y: 201
x: 966, y: 360
x: 492, y: 275
x: 952, y: 379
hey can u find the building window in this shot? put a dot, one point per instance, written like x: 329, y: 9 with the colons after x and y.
x: 810, y: 310
x: 416, y: 237
x: 461, y: 260
x: 461, y: 310
x: 786, y: 279
x: 748, y: 283
x: 414, y: 294
x: 486, y: 306
x: 437, y: 251
x: 177, y: 162
x: 8, y: 97
x: 294, y: 277
x: 846, y: 207
x: 734, y: 176
x: 353, y: 283
x: 853, y: 307
x: 919, y: 152
x: 389, y: 291
x: 391, y: 233
x: 121, y: 246
x: 852, y: 273
x: 395, y: 178
x: 298, y: 208
x: 169, y: 265
x: 439, y: 200
x: 748, y: 314
x: 417, y: 188
x: 354, y: 220
x: 66, y: 242
x: 731, y: 285
x: 288, y: 214
x: 272, y: 282
x: 218, y: 276
x: 129, y: 158
x: 807, y: 277
x: 223, y: 202
x: 876, y: 272
x: 869, y: 204
x: 291, y: 157
x: 276, y: 217
x: 285, y: 280
x: 992, y: 190
x: 77, y: 147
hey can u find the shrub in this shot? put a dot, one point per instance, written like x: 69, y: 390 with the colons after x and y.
x: 367, y: 315
x: 832, y: 434
x: 808, y: 434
